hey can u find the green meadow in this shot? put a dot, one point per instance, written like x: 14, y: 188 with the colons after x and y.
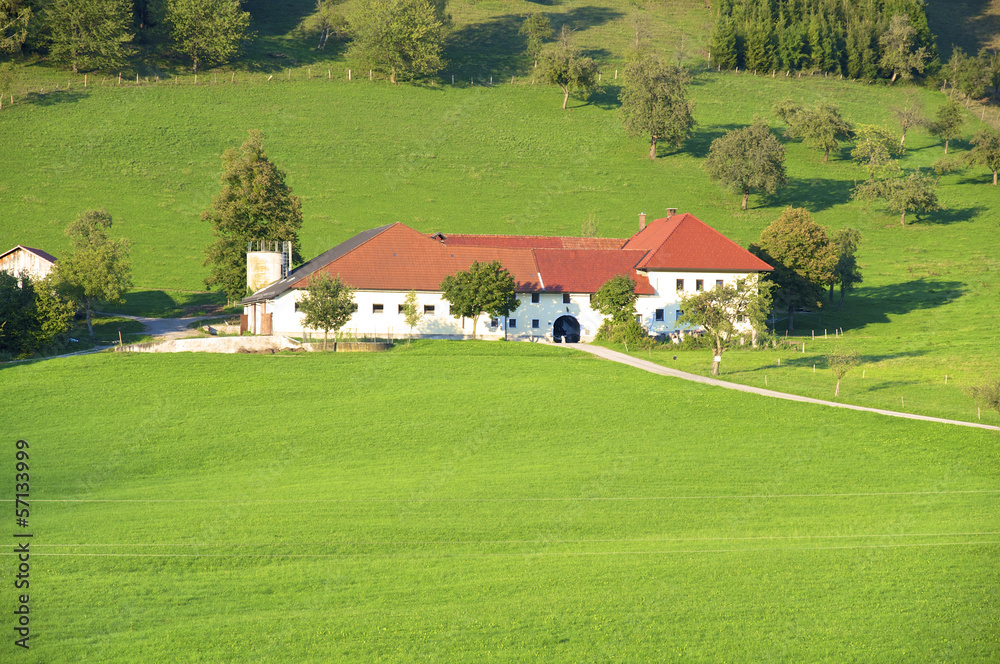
x: 489, y: 501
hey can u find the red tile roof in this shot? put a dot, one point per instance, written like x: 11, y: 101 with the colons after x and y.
x: 398, y: 258
x: 684, y: 242
x: 585, y: 270
x: 529, y: 241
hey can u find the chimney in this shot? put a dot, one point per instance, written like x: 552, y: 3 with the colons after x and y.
x: 671, y: 212
x: 642, y: 220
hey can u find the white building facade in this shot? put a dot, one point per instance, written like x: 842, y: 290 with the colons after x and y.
x: 555, y: 278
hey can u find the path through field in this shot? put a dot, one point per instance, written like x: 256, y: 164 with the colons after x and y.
x: 652, y: 367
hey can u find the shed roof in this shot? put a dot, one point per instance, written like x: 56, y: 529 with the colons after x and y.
x: 38, y: 252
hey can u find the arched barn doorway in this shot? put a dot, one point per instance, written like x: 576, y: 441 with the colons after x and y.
x: 566, y: 328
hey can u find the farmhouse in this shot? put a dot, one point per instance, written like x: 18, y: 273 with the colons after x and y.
x: 35, y: 262
x: 556, y: 278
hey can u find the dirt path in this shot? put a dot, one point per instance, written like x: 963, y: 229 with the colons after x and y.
x: 163, y: 329
x: 652, y: 367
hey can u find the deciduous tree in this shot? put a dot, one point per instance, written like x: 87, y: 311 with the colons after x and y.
x: 947, y: 124
x: 820, y: 127
x: 803, y: 259
x: 98, y: 268
x: 325, y: 22
x: 89, y: 34
x: 9, y: 76
x: 616, y: 299
x: 986, y: 151
x: 913, y: 193
x: 847, y: 273
x: 900, y: 53
x: 876, y: 150
x: 412, y: 313
x: 328, y: 304
x: 208, y: 32
x: 909, y: 115
x: 747, y: 160
x: 401, y: 38
x: 726, y: 310
x: 987, y: 393
x: 537, y: 29
x: 485, y: 288
x: 840, y: 362
x: 254, y: 204
x: 563, y: 65
x: 655, y: 104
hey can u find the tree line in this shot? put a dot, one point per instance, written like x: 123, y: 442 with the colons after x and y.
x: 864, y: 39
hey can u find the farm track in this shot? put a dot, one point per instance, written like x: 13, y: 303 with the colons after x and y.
x: 652, y: 367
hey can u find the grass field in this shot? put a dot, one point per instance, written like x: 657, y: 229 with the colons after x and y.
x: 489, y: 501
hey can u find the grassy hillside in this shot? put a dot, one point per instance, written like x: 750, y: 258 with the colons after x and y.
x: 493, y: 502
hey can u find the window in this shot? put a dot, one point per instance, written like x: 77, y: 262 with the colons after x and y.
x: 376, y: 308
x: 296, y: 306
x: 534, y: 324
x: 591, y: 297
x: 718, y: 283
x: 677, y: 314
x: 535, y: 297
x: 659, y: 315
x: 638, y: 319
x: 428, y: 309
x: 565, y: 298
x: 494, y: 322
x: 512, y: 323
x: 680, y: 284
x: 401, y: 312
x: 699, y: 284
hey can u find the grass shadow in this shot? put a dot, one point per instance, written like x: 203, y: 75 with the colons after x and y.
x: 582, y: 18
x: 701, y: 141
x: 814, y: 194
x: 948, y: 216
x: 491, y: 48
x: 57, y: 97
x: 166, y: 304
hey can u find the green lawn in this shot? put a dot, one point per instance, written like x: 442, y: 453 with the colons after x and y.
x: 489, y: 502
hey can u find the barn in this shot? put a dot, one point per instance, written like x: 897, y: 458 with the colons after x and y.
x: 556, y: 278
x: 35, y: 262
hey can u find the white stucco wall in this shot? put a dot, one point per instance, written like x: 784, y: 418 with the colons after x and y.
x: 287, y: 321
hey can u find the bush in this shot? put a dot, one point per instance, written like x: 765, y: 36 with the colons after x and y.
x: 628, y: 332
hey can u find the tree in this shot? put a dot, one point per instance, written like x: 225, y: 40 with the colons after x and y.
x: 537, y: 29
x: 18, y: 318
x: 986, y: 151
x: 967, y: 74
x: 9, y: 76
x: 563, y: 65
x: 847, y: 273
x: 820, y: 127
x: 411, y: 312
x: 485, y: 288
x: 207, y: 31
x: 98, y: 269
x: 328, y: 304
x: 14, y: 20
x: 900, y: 54
x: 908, y: 116
x: 327, y: 20
x: 840, y: 362
x: 655, y: 104
x: 721, y: 311
x: 746, y: 160
x: 254, y: 204
x: 89, y: 34
x: 876, y: 150
x: 913, y: 193
x: 947, y: 124
x: 802, y: 256
x: 616, y: 300
x: 723, y: 44
x: 987, y: 394
x: 402, y: 38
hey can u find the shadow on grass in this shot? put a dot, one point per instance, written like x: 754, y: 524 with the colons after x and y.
x: 582, y: 18
x: 57, y: 97
x: 491, y: 48
x: 700, y: 143
x: 167, y: 304
x: 867, y: 305
x: 814, y: 194
x: 808, y: 360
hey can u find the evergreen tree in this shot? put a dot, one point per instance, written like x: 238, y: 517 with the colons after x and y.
x: 760, y: 47
x: 723, y: 44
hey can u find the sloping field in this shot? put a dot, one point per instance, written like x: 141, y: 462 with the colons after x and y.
x: 488, y: 502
